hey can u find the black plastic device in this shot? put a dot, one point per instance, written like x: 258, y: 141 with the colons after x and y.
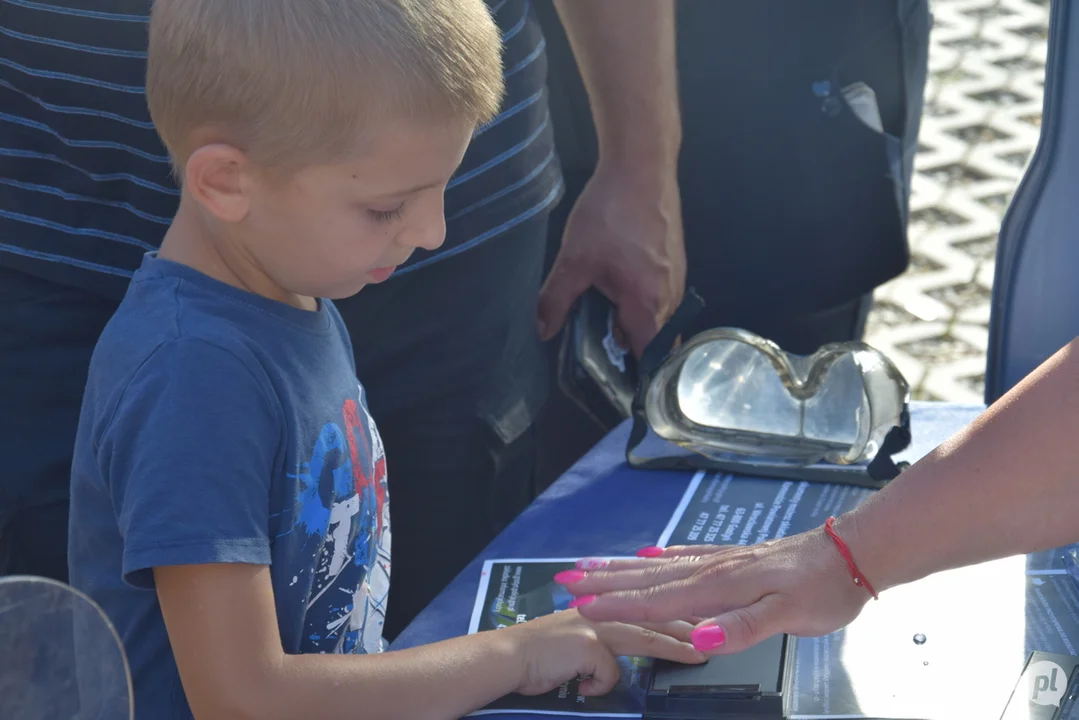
x: 753, y: 684
x: 597, y: 373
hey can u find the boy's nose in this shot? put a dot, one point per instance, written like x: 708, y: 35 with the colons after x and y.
x: 432, y: 236
x: 428, y: 234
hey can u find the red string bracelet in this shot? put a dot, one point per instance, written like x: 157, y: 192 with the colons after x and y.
x: 859, y: 578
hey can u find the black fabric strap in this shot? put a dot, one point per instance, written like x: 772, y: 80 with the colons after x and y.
x: 882, y: 467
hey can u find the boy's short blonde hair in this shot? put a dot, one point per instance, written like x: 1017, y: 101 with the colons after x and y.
x: 295, y: 82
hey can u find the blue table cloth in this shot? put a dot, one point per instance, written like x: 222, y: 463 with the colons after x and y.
x: 603, y: 507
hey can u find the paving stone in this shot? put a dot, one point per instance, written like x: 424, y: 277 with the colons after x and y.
x: 980, y: 127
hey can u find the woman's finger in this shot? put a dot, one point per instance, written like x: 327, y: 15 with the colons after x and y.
x: 594, y: 582
x: 680, y: 630
x: 742, y: 628
x: 649, y: 555
x: 685, y: 550
x: 667, y: 602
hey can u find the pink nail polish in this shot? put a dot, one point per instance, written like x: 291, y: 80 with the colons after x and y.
x: 583, y: 600
x: 650, y: 552
x: 708, y: 637
x: 591, y: 563
x: 568, y: 577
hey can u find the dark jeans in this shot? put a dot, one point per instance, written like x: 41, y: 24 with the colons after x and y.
x: 47, y: 334
x: 792, y: 215
x: 453, y: 487
x: 792, y: 206
x: 455, y: 375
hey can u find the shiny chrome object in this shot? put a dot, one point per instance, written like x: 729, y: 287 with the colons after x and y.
x: 729, y: 393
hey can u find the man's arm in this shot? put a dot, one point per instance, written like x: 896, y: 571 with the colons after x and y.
x: 624, y: 236
x: 625, y: 50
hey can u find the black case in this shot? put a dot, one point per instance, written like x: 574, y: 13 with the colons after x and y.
x: 753, y: 684
x: 587, y: 371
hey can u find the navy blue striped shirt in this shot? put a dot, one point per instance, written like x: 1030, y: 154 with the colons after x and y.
x: 85, y: 186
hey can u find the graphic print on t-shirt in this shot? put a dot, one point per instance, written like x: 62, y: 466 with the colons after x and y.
x: 343, y: 510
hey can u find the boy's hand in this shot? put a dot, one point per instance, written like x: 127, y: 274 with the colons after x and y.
x: 223, y: 629
x: 558, y: 648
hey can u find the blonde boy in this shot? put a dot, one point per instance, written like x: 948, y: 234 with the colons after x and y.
x: 229, y: 492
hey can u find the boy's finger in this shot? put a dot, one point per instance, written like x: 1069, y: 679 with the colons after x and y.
x: 634, y: 640
x: 602, y: 678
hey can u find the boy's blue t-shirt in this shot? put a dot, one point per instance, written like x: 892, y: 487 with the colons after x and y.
x: 223, y: 427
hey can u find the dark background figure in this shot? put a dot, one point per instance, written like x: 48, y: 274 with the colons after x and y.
x: 794, y: 210
x: 448, y: 348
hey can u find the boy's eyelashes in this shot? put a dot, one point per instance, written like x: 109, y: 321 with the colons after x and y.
x: 385, y: 216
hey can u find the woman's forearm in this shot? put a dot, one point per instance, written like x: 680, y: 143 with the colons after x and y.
x: 1006, y: 485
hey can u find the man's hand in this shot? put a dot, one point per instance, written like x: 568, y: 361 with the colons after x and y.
x: 624, y: 237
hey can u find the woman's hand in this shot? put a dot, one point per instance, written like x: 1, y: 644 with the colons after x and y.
x: 736, y: 596
x: 564, y: 646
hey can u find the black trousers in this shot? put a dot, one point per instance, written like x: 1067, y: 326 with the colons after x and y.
x: 47, y: 334
x: 794, y: 209
x: 455, y: 375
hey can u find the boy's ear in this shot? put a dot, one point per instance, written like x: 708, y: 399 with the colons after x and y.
x: 217, y: 177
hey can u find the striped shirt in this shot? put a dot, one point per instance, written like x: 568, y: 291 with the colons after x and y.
x: 85, y: 185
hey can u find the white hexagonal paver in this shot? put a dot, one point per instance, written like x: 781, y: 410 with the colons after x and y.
x: 981, y: 125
